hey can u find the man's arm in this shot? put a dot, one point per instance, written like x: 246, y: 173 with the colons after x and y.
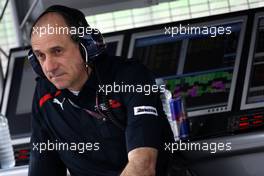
x: 144, y: 127
x: 45, y: 163
x: 141, y: 162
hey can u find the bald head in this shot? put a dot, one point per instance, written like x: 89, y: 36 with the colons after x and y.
x: 51, y: 23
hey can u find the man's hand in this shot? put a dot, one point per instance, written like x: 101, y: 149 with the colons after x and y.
x: 141, y: 162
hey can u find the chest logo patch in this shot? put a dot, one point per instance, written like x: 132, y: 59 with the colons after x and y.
x: 139, y: 110
x: 55, y: 100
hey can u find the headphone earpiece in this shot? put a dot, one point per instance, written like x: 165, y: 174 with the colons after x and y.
x: 35, y: 63
x: 92, y: 45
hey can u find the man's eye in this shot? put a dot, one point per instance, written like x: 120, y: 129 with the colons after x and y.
x: 58, y: 51
x: 40, y: 56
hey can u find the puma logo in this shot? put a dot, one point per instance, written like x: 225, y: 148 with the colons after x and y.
x: 55, y: 100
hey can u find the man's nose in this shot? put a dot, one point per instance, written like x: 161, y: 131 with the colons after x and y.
x: 50, y: 64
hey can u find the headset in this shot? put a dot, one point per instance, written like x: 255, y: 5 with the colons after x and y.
x: 91, y: 44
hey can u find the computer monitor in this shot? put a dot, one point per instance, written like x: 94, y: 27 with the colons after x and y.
x: 114, y: 45
x: 18, y: 94
x: 207, y: 77
x: 253, y: 90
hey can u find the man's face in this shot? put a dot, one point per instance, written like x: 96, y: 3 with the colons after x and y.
x: 58, y: 55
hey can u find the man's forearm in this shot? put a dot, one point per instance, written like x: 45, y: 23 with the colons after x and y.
x: 141, y: 162
x: 138, y: 169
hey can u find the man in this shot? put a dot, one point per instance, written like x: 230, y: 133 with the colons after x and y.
x: 123, y: 133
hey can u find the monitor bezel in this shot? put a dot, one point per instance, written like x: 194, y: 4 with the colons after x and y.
x: 119, y: 39
x: 244, y: 105
x: 2, y: 82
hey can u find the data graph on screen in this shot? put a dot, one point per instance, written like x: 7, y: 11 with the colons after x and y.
x: 202, y: 90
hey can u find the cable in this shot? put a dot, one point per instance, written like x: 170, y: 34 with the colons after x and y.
x: 2, y: 15
x: 105, y: 101
x: 3, y: 52
x: 104, y: 97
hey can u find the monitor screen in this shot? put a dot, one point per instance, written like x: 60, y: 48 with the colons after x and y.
x: 160, y: 53
x: 204, y: 52
x: 26, y: 88
x: 253, y: 91
x: 111, y: 48
x: 18, y: 95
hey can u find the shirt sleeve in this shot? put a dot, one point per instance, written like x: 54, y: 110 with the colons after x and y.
x: 46, y: 162
x: 144, y: 120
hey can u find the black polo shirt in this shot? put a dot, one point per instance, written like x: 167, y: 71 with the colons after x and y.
x: 91, y: 146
